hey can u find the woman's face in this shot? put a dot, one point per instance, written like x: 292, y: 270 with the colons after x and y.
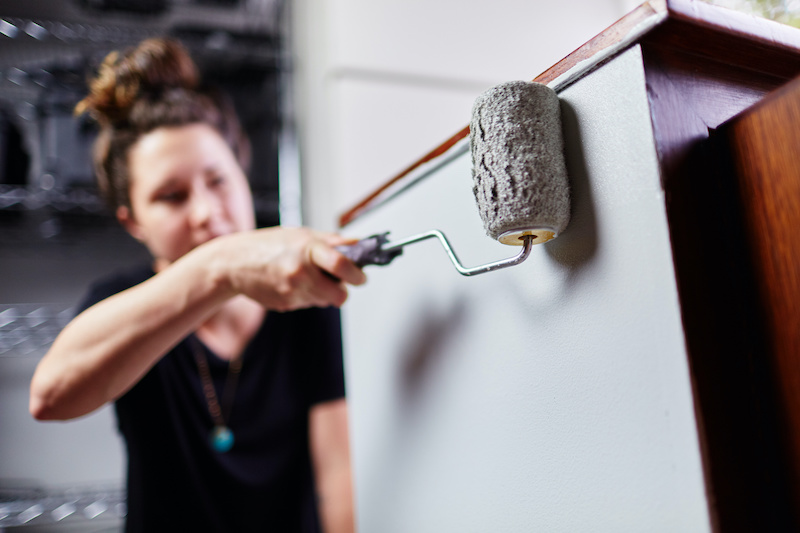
x: 186, y: 187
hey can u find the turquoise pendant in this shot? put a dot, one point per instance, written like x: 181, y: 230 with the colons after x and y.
x: 221, y: 439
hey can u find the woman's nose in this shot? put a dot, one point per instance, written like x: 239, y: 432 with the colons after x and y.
x: 204, y: 205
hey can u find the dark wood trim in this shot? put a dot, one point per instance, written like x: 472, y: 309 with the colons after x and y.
x: 648, y: 14
x: 733, y: 400
x: 365, y: 204
x: 764, y: 144
x: 704, y: 66
x: 756, y: 31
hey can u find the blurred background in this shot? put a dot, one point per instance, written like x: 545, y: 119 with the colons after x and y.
x: 337, y: 97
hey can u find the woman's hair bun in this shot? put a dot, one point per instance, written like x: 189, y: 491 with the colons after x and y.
x: 146, y: 71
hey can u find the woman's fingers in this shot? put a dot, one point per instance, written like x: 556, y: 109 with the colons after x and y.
x: 311, y: 285
x: 287, y: 268
x: 325, y: 290
x: 334, y: 239
x: 330, y: 260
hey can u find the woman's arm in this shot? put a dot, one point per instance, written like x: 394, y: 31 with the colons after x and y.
x: 106, y: 349
x: 330, y: 455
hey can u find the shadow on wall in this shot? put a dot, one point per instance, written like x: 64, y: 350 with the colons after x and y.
x: 578, y: 244
x: 433, y: 331
x: 436, y: 325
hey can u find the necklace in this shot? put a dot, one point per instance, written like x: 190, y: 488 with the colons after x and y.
x: 221, y: 436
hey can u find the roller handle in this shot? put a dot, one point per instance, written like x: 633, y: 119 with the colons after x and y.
x: 369, y: 251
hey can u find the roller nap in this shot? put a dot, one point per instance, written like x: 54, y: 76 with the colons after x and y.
x: 518, y: 167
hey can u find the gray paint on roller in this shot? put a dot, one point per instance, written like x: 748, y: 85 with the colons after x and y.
x: 519, y: 173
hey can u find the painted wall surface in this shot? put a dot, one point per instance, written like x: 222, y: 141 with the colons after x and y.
x: 552, y: 396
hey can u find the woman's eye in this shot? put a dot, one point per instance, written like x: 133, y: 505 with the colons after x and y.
x: 171, y: 197
x: 217, y: 180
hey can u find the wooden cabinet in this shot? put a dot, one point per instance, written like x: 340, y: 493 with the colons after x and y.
x: 640, y: 371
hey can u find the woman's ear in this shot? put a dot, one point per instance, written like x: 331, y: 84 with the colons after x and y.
x: 125, y: 217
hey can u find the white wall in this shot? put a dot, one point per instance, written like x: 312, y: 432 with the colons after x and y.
x: 380, y: 83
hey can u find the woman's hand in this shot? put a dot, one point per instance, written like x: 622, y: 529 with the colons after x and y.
x: 284, y: 268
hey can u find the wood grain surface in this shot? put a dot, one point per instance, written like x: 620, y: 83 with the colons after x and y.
x: 765, y: 150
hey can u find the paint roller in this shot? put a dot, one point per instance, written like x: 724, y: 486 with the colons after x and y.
x: 519, y: 177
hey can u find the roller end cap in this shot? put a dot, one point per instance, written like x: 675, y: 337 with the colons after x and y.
x: 539, y: 236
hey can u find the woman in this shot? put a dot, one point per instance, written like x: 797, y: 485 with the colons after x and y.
x: 233, y: 415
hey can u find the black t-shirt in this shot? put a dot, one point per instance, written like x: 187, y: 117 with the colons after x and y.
x: 176, y: 481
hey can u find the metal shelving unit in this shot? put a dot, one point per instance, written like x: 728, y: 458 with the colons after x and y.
x: 80, y: 507
x: 28, y: 330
